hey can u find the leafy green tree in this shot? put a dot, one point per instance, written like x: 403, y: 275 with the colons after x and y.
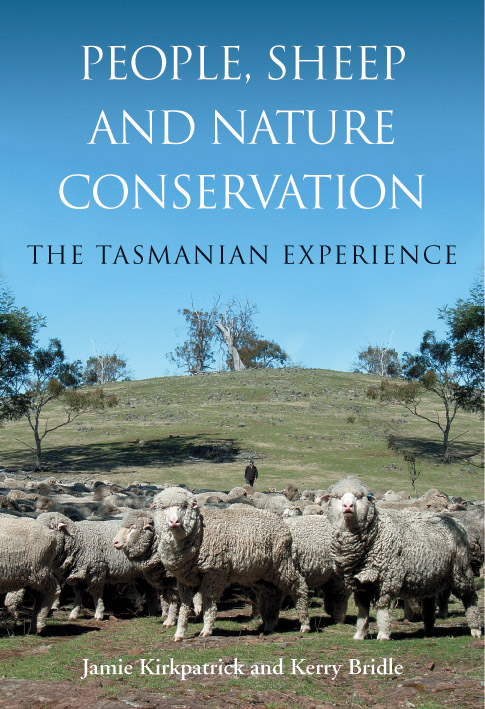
x: 375, y: 359
x: 195, y: 355
x: 451, y: 368
x: 465, y: 322
x: 105, y: 368
x: 18, y: 331
x: 263, y: 354
x: 433, y: 370
x: 52, y: 378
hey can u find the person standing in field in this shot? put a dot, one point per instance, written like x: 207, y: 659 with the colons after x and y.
x: 251, y: 473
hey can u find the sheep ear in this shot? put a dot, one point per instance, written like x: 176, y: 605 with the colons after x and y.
x: 61, y: 526
x: 194, y: 504
x: 147, y: 525
x: 371, y: 498
x: 326, y: 497
x: 153, y: 507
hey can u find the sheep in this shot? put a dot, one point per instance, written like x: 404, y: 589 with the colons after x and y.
x: 313, y: 509
x: 311, y: 537
x: 137, y: 539
x: 215, y: 548
x: 473, y: 520
x: 274, y: 502
x: 87, y: 558
x: 27, y: 553
x: 390, y: 554
x: 292, y: 511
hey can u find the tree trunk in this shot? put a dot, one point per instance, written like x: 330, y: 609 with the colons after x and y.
x: 446, y: 445
x: 38, y: 450
x: 237, y: 363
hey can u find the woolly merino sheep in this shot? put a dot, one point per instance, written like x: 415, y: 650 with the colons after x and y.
x: 137, y: 539
x: 292, y: 511
x: 313, y: 509
x: 473, y: 519
x: 312, y: 558
x: 390, y: 554
x: 216, y: 548
x: 86, y: 556
x: 27, y: 553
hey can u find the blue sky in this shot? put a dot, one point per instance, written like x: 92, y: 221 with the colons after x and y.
x: 321, y: 315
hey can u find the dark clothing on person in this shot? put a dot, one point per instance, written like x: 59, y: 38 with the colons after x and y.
x: 251, y: 473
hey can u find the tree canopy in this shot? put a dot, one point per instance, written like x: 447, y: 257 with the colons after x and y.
x: 231, y: 324
x: 18, y: 332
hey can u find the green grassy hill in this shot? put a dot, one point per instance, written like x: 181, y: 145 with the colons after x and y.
x: 304, y: 426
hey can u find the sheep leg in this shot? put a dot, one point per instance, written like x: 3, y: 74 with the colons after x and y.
x: 197, y: 603
x: 78, y: 597
x: 473, y: 616
x: 171, y: 618
x: 336, y: 602
x: 465, y: 591
x: 443, y: 599
x: 170, y: 605
x: 411, y: 609
x: 269, y: 604
x: 96, y: 592
x: 186, y: 594
x: 428, y: 610
x: 211, y: 590
x: 383, y: 618
x: 362, y: 602
x: 299, y: 593
x: 98, y: 604
x: 42, y: 605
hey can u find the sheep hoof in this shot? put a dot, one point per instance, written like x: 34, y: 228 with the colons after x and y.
x: 205, y: 634
x: 305, y: 628
x: 167, y: 624
x: 73, y: 616
x: 359, y: 636
x: 476, y: 633
x: 383, y: 636
x: 178, y: 639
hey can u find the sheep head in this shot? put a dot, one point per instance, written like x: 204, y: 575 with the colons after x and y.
x: 351, y: 504
x: 175, y: 510
x: 136, y: 534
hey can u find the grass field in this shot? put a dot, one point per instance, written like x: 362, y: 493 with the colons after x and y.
x: 306, y: 427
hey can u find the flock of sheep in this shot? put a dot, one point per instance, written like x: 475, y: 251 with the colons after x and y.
x: 185, y: 549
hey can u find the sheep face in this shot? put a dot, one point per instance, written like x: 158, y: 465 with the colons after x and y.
x: 292, y: 511
x: 56, y: 521
x: 350, y: 505
x: 176, y: 510
x: 135, y: 536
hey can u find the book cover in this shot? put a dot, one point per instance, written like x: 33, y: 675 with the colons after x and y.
x: 314, y: 166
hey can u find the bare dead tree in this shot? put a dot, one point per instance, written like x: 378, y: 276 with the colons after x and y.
x: 235, y: 328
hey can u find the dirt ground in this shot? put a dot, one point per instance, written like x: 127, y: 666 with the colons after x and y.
x: 433, y: 686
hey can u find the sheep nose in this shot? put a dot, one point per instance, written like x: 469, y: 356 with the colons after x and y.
x: 174, y: 522
x: 117, y: 544
x: 348, y: 508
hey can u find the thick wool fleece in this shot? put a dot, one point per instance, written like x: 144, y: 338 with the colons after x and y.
x: 88, y: 557
x: 216, y: 548
x: 27, y: 553
x: 137, y: 539
x: 389, y: 554
x: 311, y: 537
